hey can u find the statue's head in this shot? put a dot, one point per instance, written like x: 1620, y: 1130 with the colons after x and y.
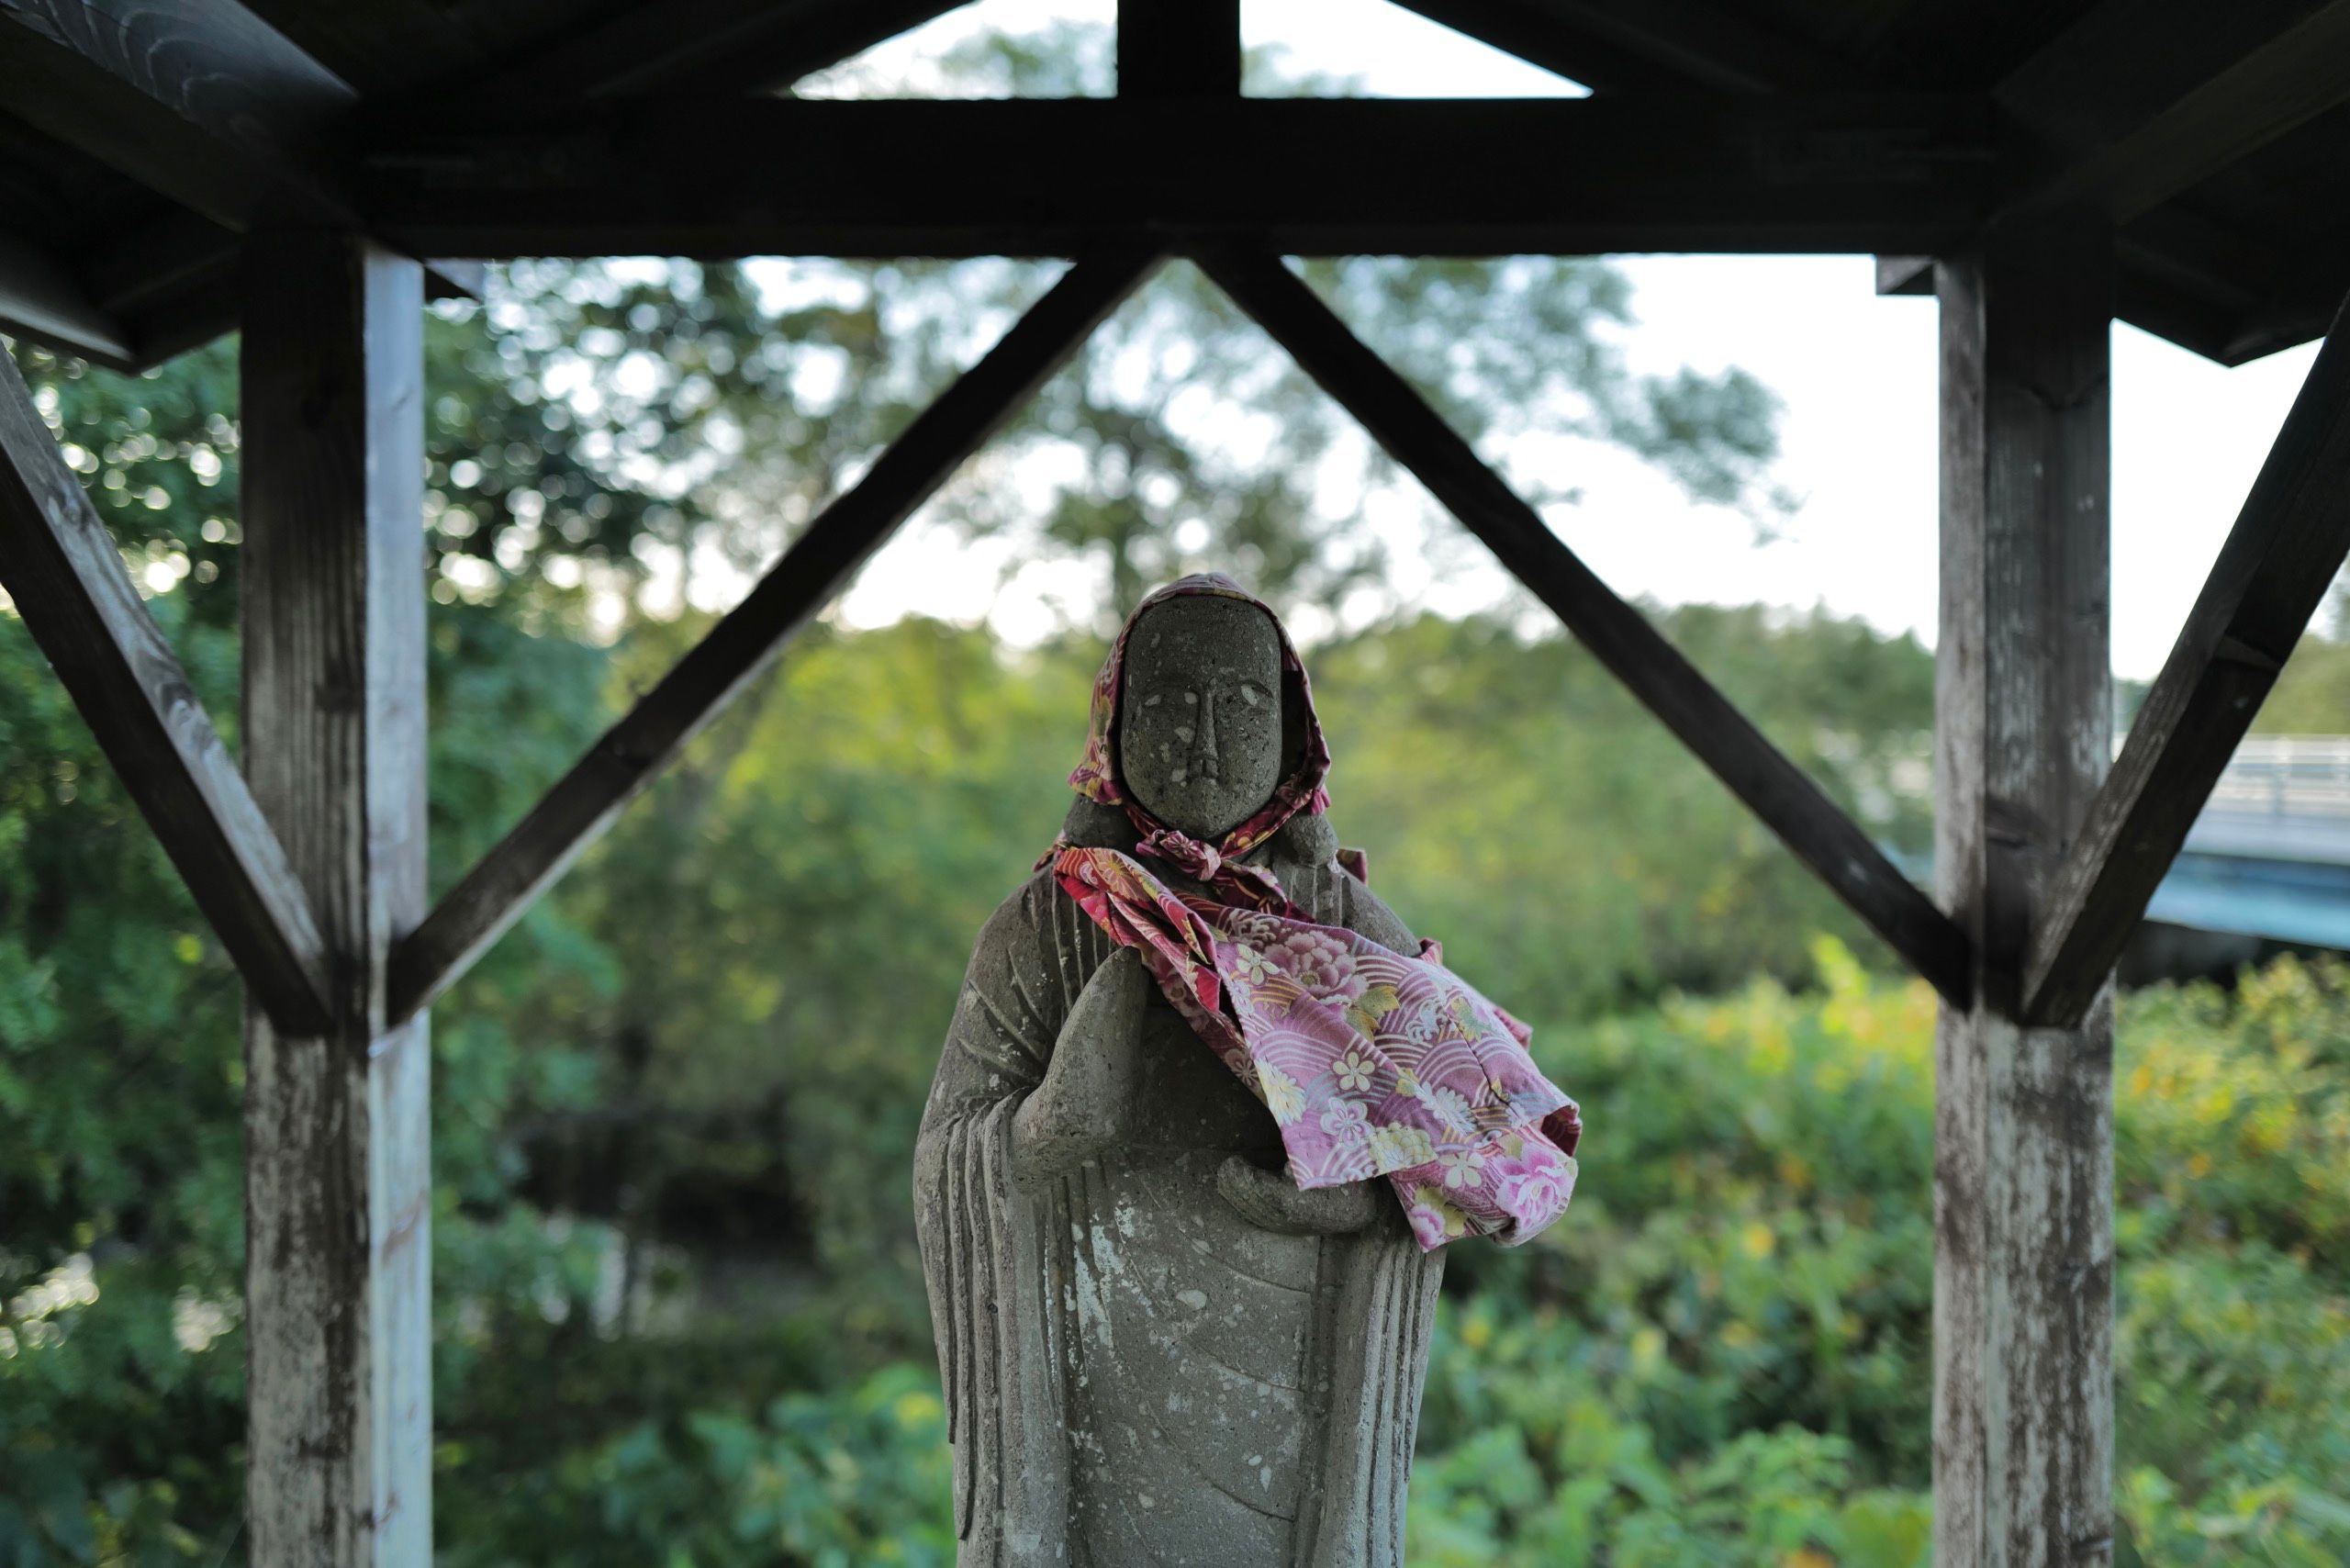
x: 1200, y: 739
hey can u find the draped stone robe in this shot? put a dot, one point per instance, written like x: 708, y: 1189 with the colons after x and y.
x: 1135, y: 1373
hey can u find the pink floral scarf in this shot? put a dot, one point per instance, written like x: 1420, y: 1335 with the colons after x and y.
x: 1372, y: 1062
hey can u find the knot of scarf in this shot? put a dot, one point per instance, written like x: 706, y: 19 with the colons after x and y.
x: 1206, y: 865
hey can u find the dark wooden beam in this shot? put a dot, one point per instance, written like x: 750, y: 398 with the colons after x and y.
x: 1656, y: 43
x: 1421, y: 176
x: 69, y: 586
x: 709, y: 46
x: 2291, y: 319
x: 207, y: 105
x: 1681, y: 45
x: 1176, y: 48
x: 1618, y: 634
x: 173, y: 283
x: 338, y: 1187
x: 1527, y: 29
x: 1905, y: 275
x: 41, y: 298
x: 2157, y: 286
x: 2023, y: 1117
x: 577, y: 810
x: 2279, y: 559
x: 2143, y: 99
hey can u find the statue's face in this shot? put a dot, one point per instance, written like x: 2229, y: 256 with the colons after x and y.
x: 1200, y: 713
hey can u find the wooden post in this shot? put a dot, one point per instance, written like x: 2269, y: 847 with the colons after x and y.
x: 338, y: 1191
x: 1174, y: 49
x: 2023, y: 1166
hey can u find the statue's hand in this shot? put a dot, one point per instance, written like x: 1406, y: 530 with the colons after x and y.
x: 1088, y: 1100
x: 1271, y: 1201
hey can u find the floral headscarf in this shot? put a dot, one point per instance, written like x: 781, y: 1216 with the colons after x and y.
x: 1372, y: 1062
x: 1096, y: 775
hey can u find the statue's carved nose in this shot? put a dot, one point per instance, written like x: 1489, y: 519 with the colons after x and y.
x: 1207, y: 734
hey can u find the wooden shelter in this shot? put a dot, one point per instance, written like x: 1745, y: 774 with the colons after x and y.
x: 175, y: 168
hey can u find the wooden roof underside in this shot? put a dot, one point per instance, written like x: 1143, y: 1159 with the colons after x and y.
x: 137, y: 142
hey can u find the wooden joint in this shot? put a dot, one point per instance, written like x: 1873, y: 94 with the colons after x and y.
x: 2233, y: 650
x: 2281, y: 556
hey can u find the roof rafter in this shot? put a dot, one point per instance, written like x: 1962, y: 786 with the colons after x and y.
x: 42, y: 299
x: 208, y: 105
x: 709, y: 46
x: 2143, y: 99
x: 1696, y: 171
x: 1657, y: 44
x: 1684, y: 43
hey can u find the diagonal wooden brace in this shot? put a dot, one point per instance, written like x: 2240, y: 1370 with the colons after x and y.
x: 2271, y: 575
x: 584, y: 802
x: 1618, y: 634
x: 69, y: 583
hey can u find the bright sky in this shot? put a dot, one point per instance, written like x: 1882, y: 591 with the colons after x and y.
x: 1856, y: 374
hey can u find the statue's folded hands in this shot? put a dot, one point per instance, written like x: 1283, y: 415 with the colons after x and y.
x: 1089, y: 1102
x: 1270, y: 1200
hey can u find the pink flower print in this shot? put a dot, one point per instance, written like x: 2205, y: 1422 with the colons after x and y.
x: 1466, y: 1168
x: 1320, y: 965
x: 1424, y: 1024
x: 1253, y: 929
x: 1283, y: 1096
x: 1535, y: 1185
x: 1397, y: 1147
x: 1347, y: 1121
x: 1451, y: 1108
x: 1354, y: 1071
x: 1433, y: 1218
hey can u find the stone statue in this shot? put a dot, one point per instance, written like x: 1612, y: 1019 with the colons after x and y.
x: 1172, y: 1329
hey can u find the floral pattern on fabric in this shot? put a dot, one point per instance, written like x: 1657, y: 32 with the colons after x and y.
x: 1371, y: 1062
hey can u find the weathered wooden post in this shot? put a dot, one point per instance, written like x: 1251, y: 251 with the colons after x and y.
x: 2023, y: 1170
x: 338, y: 1195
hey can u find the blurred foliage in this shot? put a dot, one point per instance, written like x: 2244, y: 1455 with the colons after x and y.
x: 679, y: 1316
x: 1722, y: 1356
